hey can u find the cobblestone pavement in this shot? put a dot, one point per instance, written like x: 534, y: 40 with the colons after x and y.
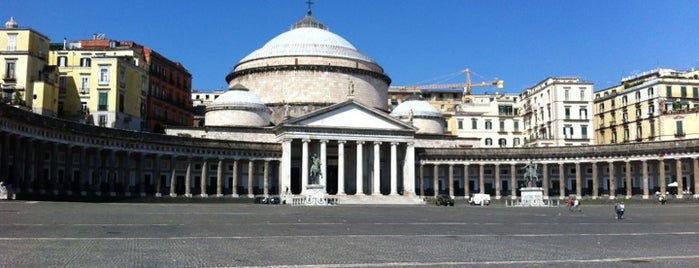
x: 65, y: 234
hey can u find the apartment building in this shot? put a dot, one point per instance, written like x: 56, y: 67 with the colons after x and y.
x: 658, y: 105
x: 493, y: 118
x: 28, y: 80
x: 558, y: 112
x: 102, y: 82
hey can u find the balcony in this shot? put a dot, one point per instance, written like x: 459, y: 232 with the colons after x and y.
x: 612, y: 123
x: 679, y: 135
x: 9, y: 78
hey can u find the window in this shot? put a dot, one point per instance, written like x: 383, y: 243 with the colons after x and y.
x: 583, y: 131
x: 502, y: 125
x: 502, y: 142
x: 85, y: 62
x: 11, y: 42
x: 121, y: 102
x: 102, y: 105
x: 84, y: 83
x: 601, y: 107
x: 650, y: 92
x: 104, y: 75
x: 582, y: 94
x: 83, y: 108
x: 639, y: 132
x: 678, y: 128
x: 567, y: 111
x: 515, y: 142
x: 10, y: 69
x: 568, y: 131
x: 626, y: 134
x: 651, y: 110
x: 488, y: 124
x: 683, y: 92
x: 695, y: 92
x: 62, y: 61
x: 516, y: 123
x: 102, y: 121
x: 638, y: 113
x: 567, y: 94
x: 122, y: 76
x: 638, y: 95
x: 652, y: 129
x: 624, y: 101
x: 668, y: 91
x: 459, y: 124
x: 62, y: 84
x: 583, y: 113
x: 614, y: 136
x: 488, y: 141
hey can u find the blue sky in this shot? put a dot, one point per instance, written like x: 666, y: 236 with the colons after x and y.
x: 415, y: 41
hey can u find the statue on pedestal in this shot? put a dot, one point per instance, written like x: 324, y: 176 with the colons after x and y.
x: 530, y: 174
x: 316, y: 173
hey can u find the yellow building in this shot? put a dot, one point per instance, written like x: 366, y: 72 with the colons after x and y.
x: 27, y: 79
x: 102, y: 82
x: 659, y: 105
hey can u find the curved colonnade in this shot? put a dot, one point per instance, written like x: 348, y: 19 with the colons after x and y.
x: 40, y: 155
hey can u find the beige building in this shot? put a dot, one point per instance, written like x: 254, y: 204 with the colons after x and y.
x: 659, y: 105
x: 27, y: 77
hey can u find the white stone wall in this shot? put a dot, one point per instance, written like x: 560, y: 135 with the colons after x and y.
x: 428, y: 125
x: 228, y: 134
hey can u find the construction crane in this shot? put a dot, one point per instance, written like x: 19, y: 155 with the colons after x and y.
x: 468, y: 86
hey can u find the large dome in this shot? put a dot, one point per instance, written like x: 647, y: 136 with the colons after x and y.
x: 417, y: 108
x: 307, y: 42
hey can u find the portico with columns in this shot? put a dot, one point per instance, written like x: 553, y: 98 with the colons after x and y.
x: 362, y: 151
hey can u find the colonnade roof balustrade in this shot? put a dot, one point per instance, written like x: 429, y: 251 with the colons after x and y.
x: 648, y: 150
x: 63, y: 131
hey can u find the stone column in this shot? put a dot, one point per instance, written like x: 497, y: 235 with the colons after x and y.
x: 188, y: 179
x: 173, y: 176
x: 323, y: 165
x: 467, y: 182
x: 680, y: 183
x: 695, y: 168
x: 340, y: 167
x: 112, y: 172
x: 156, y: 175
x: 595, y: 181
x: 304, y: 165
x: 234, y: 183
x: 96, y: 181
x: 53, y: 174
x: 84, y: 171
x: 204, y: 175
x: 435, y: 179
x: 251, y: 177
x: 422, y: 179
x: 612, y: 181
x: 139, y: 174
x: 219, y: 178
x: 545, y: 181
x: 578, y: 179
x: 497, y: 181
x: 513, y: 181
x: 394, y: 169
x: 661, y: 179
x: 360, y: 172
x: 562, y: 182
x: 376, y: 187
x: 629, y: 183
x: 409, y: 170
x: 644, y: 167
x: 30, y: 160
x: 285, y: 168
x: 68, y: 179
x: 265, y: 178
x: 451, y: 180
x: 481, y: 178
x: 4, y: 168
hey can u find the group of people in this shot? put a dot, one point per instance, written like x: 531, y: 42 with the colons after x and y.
x: 573, y: 204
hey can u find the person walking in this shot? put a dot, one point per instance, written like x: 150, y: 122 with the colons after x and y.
x: 619, y: 208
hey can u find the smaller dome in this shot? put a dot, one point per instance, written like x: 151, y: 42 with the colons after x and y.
x: 239, y: 96
x: 419, y: 108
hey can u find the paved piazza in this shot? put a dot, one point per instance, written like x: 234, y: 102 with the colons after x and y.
x: 58, y: 234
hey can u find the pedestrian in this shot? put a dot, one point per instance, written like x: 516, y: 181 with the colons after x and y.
x: 619, y: 208
x: 576, y: 205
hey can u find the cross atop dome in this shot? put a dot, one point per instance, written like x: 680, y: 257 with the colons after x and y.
x: 309, y: 2
x: 309, y: 21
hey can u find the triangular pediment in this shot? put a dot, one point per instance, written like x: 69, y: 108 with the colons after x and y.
x: 349, y: 115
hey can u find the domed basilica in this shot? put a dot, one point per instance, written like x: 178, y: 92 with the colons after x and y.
x: 316, y: 94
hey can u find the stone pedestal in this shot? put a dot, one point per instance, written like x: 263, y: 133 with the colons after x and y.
x: 532, y: 197
x: 315, y: 195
